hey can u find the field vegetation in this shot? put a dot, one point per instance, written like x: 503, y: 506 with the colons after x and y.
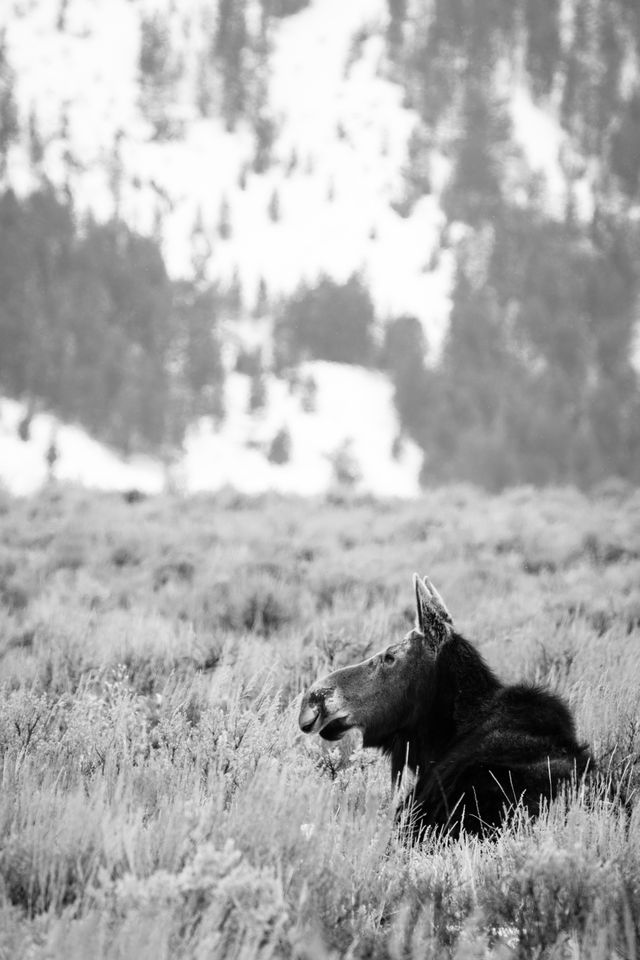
x: 158, y: 800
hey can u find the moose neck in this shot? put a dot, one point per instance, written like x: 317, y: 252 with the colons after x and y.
x: 458, y: 688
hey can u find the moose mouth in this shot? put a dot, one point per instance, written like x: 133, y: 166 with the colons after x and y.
x: 335, y: 729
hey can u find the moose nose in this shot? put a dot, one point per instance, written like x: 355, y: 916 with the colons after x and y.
x: 308, y: 716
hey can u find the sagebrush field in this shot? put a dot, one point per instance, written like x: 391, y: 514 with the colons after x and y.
x: 158, y: 800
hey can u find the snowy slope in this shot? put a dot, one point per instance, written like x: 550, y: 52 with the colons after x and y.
x: 353, y: 407
x: 338, y: 117
x: 337, y: 167
x: 337, y: 172
x: 81, y: 460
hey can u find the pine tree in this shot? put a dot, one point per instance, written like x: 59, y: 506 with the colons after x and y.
x: 309, y: 394
x: 257, y: 390
x: 204, y: 372
x: 229, y: 50
x: 36, y: 146
x: 224, y: 219
x: 9, y: 127
x: 233, y: 294
x: 625, y: 147
x: 397, y: 17
x: 160, y: 71
x: 293, y: 161
x: 201, y: 248
x: 543, y: 52
x: 265, y: 131
x: 475, y: 192
x: 262, y: 300
x: 61, y: 22
x: 280, y: 448
x: 274, y: 206
x: 397, y: 447
x: 116, y: 173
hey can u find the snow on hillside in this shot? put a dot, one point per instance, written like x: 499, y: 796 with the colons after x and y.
x: 337, y: 168
x: 545, y: 146
x: 328, y: 202
x: 351, y: 122
x: 338, y: 158
x: 353, y: 409
x: 81, y: 460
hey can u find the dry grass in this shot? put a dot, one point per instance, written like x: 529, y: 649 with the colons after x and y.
x: 157, y: 798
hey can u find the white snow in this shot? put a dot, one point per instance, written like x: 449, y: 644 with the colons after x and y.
x: 548, y: 152
x: 81, y: 460
x: 353, y: 405
x: 541, y: 139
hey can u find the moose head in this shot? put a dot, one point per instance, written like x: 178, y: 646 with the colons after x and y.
x: 384, y: 695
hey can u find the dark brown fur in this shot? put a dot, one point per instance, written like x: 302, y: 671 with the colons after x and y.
x: 430, y: 702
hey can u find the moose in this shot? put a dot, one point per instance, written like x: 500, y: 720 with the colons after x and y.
x: 477, y: 747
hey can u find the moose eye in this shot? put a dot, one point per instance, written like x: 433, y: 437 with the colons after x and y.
x: 389, y: 658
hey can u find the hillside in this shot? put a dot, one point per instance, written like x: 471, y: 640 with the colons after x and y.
x: 346, y: 438
x: 461, y: 181
x: 339, y: 145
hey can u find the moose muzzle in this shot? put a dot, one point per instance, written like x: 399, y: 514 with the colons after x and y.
x: 323, y: 711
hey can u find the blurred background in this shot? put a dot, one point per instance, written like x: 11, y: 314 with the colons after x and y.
x: 383, y: 244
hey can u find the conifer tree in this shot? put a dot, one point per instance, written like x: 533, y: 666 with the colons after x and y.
x: 9, y: 127
x: 280, y: 448
x: 274, y: 206
x: 36, y: 146
x: 257, y: 389
x: 224, y: 218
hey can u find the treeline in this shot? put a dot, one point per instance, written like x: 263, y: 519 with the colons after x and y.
x: 576, y: 57
x: 92, y: 326
x: 535, y: 382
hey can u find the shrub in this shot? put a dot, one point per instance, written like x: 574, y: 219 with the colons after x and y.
x: 545, y: 892
x: 217, y: 897
x: 256, y: 602
x: 345, y: 467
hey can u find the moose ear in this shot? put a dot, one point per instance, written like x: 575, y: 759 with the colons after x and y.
x: 437, y: 601
x: 431, y: 611
x: 423, y: 600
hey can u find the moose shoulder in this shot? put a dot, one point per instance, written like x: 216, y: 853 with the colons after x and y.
x: 478, y: 747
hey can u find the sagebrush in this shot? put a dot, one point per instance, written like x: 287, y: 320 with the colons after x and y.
x: 158, y: 799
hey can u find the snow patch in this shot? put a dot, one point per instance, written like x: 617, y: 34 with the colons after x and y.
x: 352, y: 405
x: 81, y: 459
x: 547, y: 149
